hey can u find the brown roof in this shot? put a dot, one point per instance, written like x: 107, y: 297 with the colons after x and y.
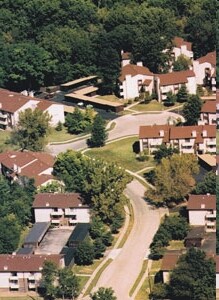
x: 59, y: 200
x: 178, y: 42
x: 147, y: 82
x: 126, y: 55
x: 170, y: 260
x: 209, y: 106
x: 175, y: 77
x: 26, y: 263
x: 201, y: 202
x: 31, y: 164
x: 155, y: 131
x: 134, y: 70
x: 210, y: 58
x: 174, y: 133
x: 11, y: 101
x: 43, y: 178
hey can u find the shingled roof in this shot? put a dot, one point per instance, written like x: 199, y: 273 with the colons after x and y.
x: 58, y: 200
x: 175, y: 77
x: 134, y: 70
x: 201, y: 202
x: 178, y: 42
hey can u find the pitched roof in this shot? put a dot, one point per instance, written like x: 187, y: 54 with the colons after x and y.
x: 134, y: 70
x: 180, y: 132
x: 25, y: 263
x: 170, y: 260
x: 201, y: 202
x: 209, y: 106
x: 126, y: 55
x: 11, y: 101
x: 30, y: 164
x: 209, y: 58
x: 178, y: 42
x: 175, y: 77
x: 49, y: 200
x: 155, y: 131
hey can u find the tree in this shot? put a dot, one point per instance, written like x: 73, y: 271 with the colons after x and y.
x: 208, y: 185
x: 74, y: 122
x: 164, y: 151
x: 49, y: 275
x: 68, y: 284
x: 174, y: 179
x: 32, y: 129
x: 192, y: 110
x: 170, y: 99
x: 99, y: 248
x: 182, y: 95
x: 193, y: 278
x: 182, y: 63
x: 103, y: 294
x: 98, y: 133
x: 84, y: 253
x: 10, y: 231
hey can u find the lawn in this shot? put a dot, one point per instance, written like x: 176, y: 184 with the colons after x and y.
x: 122, y: 153
x: 60, y: 136
x: 86, y: 270
x: 176, y: 245
x: 4, y: 136
x: 152, y: 106
x: 143, y: 270
x: 111, y: 98
x: 16, y: 297
x: 144, y: 291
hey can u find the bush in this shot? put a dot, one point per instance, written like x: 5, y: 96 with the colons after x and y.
x: 59, y: 126
x: 117, y: 223
x: 84, y: 254
x: 129, y: 101
x: 150, y: 176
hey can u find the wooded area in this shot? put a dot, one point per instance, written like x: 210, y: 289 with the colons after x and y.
x: 51, y: 42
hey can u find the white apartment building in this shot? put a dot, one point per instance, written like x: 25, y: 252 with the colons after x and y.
x: 172, y: 82
x: 188, y: 139
x: 11, y: 104
x: 208, y: 113
x: 135, y: 79
x: 60, y: 209
x: 23, y: 272
x: 202, y: 211
x: 181, y: 47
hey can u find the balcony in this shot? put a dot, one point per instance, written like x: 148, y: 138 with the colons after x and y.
x: 211, y: 150
x: 3, y: 116
x: 31, y: 285
x: 211, y: 215
x: 55, y: 221
x: 13, y: 278
x: 72, y: 221
x: 187, y: 144
x: 3, y: 122
x: 14, y: 286
x: 210, y: 223
x: 57, y: 213
x: 31, y: 278
x: 69, y: 212
x: 211, y: 143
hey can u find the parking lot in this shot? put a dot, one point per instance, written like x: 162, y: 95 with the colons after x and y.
x: 54, y: 240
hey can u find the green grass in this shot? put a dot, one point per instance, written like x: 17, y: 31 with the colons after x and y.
x: 120, y: 152
x: 96, y: 278
x: 4, y: 136
x: 129, y: 228
x: 143, y: 293
x: 60, y: 136
x: 16, y: 297
x: 154, y: 105
x: 176, y: 245
x: 143, y: 270
x: 82, y: 281
x: 111, y: 98
x: 87, y: 270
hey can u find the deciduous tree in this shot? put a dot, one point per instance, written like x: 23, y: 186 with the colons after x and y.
x: 192, y: 110
x: 98, y: 132
x: 103, y: 294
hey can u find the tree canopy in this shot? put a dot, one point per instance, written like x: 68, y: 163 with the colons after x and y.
x: 32, y: 129
x: 192, y: 110
x: 103, y: 294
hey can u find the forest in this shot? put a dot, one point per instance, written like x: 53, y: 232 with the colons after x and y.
x: 46, y: 43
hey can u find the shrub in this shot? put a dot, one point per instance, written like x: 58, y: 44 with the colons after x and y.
x: 59, y: 126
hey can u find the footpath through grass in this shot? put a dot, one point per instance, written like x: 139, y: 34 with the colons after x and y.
x: 121, y: 152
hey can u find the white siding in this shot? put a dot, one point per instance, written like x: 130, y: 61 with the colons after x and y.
x: 42, y: 214
x: 197, y: 217
x: 56, y: 111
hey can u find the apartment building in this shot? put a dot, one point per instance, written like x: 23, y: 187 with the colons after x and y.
x: 208, y: 113
x: 37, y: 165
x: 181, y: 47
x: 11, y: 104
x: 202, y: 211
x: 60, y: 209
x: 23, y: 272
x: 188, y: 139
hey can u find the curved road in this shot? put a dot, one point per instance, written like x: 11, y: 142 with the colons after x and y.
x: 125, y: 125
x: 125, y: 268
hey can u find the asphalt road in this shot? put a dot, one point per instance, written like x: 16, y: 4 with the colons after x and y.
x: 125, y: 126
x: 125, y: 268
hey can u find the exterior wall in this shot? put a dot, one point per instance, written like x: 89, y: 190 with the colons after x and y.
x: 4, y: 280
x: 42, y: 214
x: 57, y: 113
x: 199, y: 70
x: 151, y: 144
x: 184, y: 146
x: 197, y: 217
x: 182, y: 50
x: 166, y: 276
x: 131, y: 86
x: 217, y: 281
x: 30, y: 104
x: 208, y: 118
x: 191, y: 85
x: 77, y: 215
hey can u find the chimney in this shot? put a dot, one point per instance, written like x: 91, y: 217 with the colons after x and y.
x: 0, y: 105
x: 204, y: 133
x: 203, y: 206
x: 140, y: 63
x: 194, y: 133
x: 162, y: 133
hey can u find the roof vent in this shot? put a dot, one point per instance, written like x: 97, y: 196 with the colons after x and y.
x: 202, y: 206
x: 11, y: 95
x: 194, y: 133
x: 161, y: 132
x: 47, y: 204
x: 204, y: 133
x: 5, y: 268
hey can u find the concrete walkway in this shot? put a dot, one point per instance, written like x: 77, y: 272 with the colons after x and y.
x: 123, y: 271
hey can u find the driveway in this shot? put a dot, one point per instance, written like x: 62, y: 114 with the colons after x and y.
x: 125, y: 268
x: 125, y: 125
